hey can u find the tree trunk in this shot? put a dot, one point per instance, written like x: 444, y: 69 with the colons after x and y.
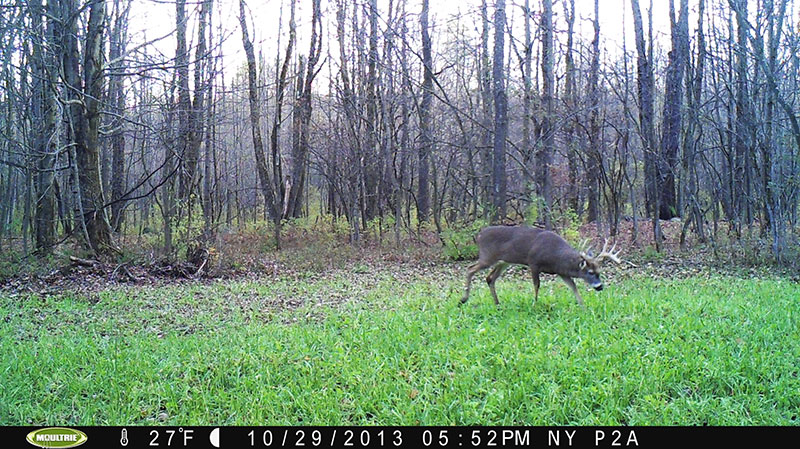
x: 499, y: 182
x: 255, y: 127
x: 594, y: 152
x: 571, y: 106
x: 85, y: 119
x: 184, y: 98
x: 116, y: 95
x: 742, y: 121
x: 545, y: 155
x: 644, y: 89
x: 673, y: 103
x: 527, y: 69
x: 280, y: 88
x: 426, y: 140
x: 372, y: 166
x: 300, y: 156
x: 45, y: 113
x: 487, y: 123
x: 210, y: 157
x: 196, y: 112
x: 690, y: 169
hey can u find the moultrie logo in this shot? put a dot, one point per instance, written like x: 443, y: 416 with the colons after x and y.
x: 61, y: 437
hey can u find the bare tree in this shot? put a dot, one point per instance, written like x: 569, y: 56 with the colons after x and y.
x: 645, y: 86
x: 690, y: 183
x: 255, y: 126
x: 45, y: 113
x: 570, y: 105
x: 425, y: 145
x: 594, y: 151
x: 527, y: 90
x: 742, y: 157
x: 545, y: 154
x: 293, y: 208
x: 487, y: 123
x: 499, y: 181
x: 116, y: 95
x: 84, y: 97
x: 673, y: 105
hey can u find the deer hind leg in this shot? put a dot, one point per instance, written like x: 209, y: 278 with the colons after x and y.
x: 535, y: 276
x: 474, y: 268
x: 568, y: 280
x: 492, y: 278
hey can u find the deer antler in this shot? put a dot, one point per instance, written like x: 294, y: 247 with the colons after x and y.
x: 584, y: 248
x: 608, y: 254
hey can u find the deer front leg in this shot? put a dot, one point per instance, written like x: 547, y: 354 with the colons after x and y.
x: 474, y: 268
x: 568, y: 280
x: 492, y: 278
x: 535, y: 276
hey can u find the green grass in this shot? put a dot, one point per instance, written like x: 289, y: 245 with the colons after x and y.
x: 392, y: 347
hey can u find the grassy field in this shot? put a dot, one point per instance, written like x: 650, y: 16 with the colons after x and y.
x: 389, y: 345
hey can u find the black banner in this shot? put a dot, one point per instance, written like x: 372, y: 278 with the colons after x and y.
x: 393, y: 437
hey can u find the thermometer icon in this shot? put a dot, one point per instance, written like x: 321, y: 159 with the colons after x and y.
x: 124, y: 440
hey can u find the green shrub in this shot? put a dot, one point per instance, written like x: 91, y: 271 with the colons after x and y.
x: 565, y: 221
x: 569, y: 225
x: 533, y: 211
x: 459, y: 242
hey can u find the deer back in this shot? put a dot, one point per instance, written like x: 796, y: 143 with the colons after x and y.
x: 511, y: 244
x: 550, y: 253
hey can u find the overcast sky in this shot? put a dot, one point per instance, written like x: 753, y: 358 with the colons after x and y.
x: 154, y: 18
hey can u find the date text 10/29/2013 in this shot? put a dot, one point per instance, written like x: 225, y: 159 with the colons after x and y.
x: 441, y: 437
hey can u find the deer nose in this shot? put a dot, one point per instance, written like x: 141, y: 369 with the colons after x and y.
x: 598, y: 287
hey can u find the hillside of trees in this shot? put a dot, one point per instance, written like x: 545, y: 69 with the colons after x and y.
x: 398, y: 112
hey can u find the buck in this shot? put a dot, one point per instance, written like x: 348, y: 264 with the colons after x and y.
x: 542, y: 251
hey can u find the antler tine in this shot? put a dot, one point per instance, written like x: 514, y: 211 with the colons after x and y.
x: 584, y: 247
x: 609, y: 253
x: 615, y: 257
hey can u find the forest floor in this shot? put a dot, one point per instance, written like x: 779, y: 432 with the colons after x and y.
x: 250, y: 254
x: 328, y: 333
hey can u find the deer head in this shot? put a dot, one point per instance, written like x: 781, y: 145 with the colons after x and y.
x: 591, y: 265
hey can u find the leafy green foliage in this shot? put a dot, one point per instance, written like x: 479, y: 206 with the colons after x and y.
x: 569, y: 224
x: 391, y: 346
x: 533, y: 211
x: 459, y: 242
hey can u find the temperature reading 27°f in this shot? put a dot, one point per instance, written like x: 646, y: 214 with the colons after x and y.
x: 178, y: 437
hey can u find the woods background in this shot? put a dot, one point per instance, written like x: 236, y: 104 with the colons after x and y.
x: 395, y: 118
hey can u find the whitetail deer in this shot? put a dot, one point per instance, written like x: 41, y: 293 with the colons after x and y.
x: 542, y: 251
